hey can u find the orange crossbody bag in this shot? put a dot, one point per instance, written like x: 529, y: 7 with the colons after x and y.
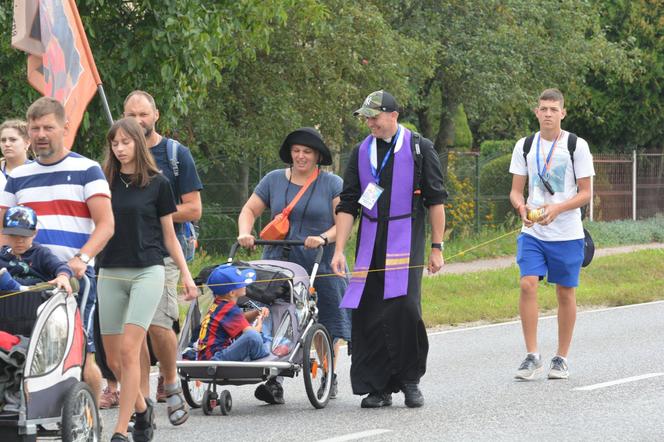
x: 277, y: 229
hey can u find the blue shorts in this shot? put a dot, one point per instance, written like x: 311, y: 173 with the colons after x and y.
x: 560, y: 261
x: 88, y: 290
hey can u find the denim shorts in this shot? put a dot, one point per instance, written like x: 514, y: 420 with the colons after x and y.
x: 559, y: 261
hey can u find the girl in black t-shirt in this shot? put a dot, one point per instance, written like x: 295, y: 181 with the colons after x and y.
x: 131, y: 276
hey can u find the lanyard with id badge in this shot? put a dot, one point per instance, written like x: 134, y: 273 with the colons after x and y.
x: 373, y: 190
x: 543, y: 172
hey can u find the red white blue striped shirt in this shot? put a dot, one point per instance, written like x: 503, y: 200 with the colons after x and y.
x: 58, y: 193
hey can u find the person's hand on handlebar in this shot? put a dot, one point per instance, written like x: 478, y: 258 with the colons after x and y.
x: 62, y: 282
x: 246, y: 240
x: 313, y: 242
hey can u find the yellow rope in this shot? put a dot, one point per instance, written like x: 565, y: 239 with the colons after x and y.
x: 322, y: 275
x: 33, y: 288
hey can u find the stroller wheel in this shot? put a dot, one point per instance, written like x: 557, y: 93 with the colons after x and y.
x: 225, y: 402
x: 80, y: 418
x: 317, y: 368
x: 193, y: 392
x: 209, y: 402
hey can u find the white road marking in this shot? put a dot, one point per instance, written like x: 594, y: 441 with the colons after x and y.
x: 356, y: 436
x: 618, y: 381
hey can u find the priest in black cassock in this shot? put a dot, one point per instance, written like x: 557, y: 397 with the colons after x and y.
x: 391, y: 178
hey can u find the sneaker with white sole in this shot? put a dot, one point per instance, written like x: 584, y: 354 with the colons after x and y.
x: 529, y: 368
x: 559, y: 368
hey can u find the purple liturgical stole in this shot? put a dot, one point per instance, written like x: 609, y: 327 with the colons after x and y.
x: 399, y: 227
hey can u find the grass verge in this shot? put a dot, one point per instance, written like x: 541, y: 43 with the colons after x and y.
x: 493, y: 296
x: 491, y: 243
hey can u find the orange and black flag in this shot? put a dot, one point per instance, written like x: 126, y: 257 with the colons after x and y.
x: 60, y: 63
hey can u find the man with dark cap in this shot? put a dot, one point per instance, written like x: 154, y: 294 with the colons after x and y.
x: 391, y: 177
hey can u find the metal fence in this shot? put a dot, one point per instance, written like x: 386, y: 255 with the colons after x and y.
x: 628, y: 186
x: 624, y: 187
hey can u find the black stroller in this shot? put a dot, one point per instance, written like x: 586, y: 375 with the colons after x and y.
x: 300, y: 345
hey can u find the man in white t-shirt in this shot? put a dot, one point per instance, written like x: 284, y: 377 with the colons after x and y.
x: 553, y: 244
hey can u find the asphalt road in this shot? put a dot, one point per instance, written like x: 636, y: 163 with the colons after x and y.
x: 615, y: 392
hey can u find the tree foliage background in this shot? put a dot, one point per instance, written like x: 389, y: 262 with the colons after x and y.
x: 233, y: 77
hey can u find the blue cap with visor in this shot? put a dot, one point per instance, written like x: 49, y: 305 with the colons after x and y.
x: 227, y: 277
x: 19, y: 220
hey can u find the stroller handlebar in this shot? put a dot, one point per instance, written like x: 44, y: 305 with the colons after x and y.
x: 283, y: 242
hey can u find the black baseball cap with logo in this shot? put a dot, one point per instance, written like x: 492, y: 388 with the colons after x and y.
x: 377, y: 102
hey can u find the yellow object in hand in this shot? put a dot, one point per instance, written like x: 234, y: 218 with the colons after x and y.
x: 535, y: 215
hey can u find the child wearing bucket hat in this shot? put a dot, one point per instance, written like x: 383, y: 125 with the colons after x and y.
x: 25, y: 262
x: 226, y: 331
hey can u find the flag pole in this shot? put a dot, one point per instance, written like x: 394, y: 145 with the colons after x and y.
x: 102, y: 95
x: 91, y: 60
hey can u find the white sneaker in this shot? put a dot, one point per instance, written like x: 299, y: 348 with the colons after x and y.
x: 559, y: 368
x: 529, y: 368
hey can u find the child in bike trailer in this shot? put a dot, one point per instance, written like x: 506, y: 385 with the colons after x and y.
x: 226, y: 331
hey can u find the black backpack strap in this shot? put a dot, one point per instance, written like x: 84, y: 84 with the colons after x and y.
x: 415, y: 142
x: 527, y: 144
x: 571, y: 147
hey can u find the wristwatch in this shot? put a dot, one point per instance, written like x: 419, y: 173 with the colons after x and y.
x: 83, y: 257
x: 324, y: 236
x: 438, y: 245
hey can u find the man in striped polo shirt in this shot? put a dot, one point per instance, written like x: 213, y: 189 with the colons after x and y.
x: 72, y: 199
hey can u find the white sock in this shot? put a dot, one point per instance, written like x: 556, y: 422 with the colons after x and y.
x: 537, y: 355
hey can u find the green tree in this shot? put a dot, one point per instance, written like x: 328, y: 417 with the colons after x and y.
x: 495, y: 56
x: 618, y: 114
x: 315, y: 73
x: 175, y: 49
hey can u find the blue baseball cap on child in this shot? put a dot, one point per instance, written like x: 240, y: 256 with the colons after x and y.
x: 227, y: 277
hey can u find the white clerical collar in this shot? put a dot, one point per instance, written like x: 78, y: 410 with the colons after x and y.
x: 397, y: 146
x: 389, y: 140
